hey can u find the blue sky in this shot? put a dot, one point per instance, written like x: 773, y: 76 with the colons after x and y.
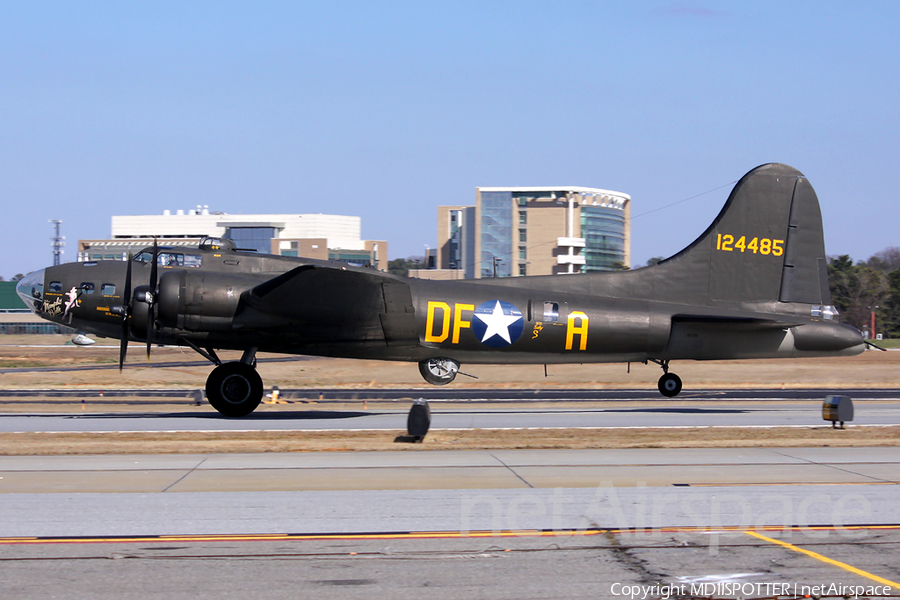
x: 387, y: 110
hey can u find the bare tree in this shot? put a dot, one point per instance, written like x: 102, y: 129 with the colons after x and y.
x: 886, y: 260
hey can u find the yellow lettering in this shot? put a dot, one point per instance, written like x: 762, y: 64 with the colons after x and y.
x: 581, y: 330
x: 445, y: 322
x: 458, y: 322
x: 727, y: 241
x: 766, y: 246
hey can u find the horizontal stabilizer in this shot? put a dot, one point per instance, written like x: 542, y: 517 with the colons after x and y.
x: 746, y: 323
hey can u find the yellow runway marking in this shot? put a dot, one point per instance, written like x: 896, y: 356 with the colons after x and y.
x: 787, y: 484
x: 299, y: 537
x: 267, y: 537
x: 825, y: 559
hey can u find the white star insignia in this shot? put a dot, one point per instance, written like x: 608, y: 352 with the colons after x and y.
x: 497, y: 323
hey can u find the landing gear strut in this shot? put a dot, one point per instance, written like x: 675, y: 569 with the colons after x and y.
x: 669, y: 384
x: 235, y: 389
x: 439, y: 371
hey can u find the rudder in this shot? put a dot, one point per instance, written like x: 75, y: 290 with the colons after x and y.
x: 805, y: 274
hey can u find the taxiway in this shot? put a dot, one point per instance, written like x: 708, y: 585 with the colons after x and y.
x: 452, y: 524
x: 289, y: 418
x: 528, y: 524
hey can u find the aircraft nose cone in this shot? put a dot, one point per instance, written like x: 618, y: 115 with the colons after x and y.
x: 31, y: 290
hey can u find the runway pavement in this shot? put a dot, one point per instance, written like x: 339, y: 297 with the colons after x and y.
x: 439, y: 491
x: 555, y: 524
x: 290, y: 418
x: 721, y: 523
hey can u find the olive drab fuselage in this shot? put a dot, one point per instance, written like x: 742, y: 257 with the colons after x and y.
x: 753, y: 285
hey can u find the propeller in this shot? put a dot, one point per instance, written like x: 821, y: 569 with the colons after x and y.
x: 125, y: 310
x: 141, y: 294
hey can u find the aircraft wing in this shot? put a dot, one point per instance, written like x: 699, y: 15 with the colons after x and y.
x: 321, y: 301
x: 322, y: 290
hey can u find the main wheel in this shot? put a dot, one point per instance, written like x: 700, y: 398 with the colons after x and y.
x: 234, y: 389
x: 669, y: 385
x: 439, y: 371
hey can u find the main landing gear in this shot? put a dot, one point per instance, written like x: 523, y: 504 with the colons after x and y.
x: 669, y: 384
x: 234, y: 389
x: 439, y: 371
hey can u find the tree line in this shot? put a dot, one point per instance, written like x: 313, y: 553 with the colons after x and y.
x: 858, y: 290
x: 401, y: 266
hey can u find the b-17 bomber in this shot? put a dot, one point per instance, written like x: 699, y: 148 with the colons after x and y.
x: 753, y: 285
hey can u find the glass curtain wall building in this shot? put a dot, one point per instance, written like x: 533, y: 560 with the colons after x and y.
x: 603, y: 230
x: 496, y: 234
x: 252, y: 238
x: 521, y: 231
x: 551, y: 230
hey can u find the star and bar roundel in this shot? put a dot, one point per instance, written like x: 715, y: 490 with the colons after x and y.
x: 497, y: 323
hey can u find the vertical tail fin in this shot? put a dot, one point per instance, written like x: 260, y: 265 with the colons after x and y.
x: 766, y: 245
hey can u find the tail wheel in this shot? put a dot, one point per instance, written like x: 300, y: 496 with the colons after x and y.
x: 234, y: 389
x: 669, y: 385
x: 439, y: 371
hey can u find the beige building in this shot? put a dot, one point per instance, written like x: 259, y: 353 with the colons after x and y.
x: 518, y: 231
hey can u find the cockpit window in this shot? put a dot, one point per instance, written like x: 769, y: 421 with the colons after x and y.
x: 31, y: 289
x: 56, y: 286
x: 218, y: 244
x: 87, y: 287
x: 170, y: 259
x: 108, y: 289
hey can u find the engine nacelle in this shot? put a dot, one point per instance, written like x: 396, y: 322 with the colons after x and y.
x: 199, y: 301
x: 139, y: 310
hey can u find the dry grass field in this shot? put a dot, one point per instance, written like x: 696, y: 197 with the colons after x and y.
x: 872, y: 369
x: 170, y: 368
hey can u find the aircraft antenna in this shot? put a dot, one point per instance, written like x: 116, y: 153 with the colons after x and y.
x: 58, y: 242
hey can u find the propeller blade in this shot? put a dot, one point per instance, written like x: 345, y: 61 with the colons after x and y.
x: 126, y: 293
x: 153, y: 266
x: 149, y: 329
x: 126, y: 303
x: 123, y: 343
x: 153, y: 275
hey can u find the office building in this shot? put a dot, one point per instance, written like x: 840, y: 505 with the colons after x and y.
x: 326, y: 237
x: 518, y: 231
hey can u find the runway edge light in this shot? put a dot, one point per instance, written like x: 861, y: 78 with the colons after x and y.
x: 837, y: 408
x: 419, y: 419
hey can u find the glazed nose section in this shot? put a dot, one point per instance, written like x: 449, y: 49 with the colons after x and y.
x: 31, y: 290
